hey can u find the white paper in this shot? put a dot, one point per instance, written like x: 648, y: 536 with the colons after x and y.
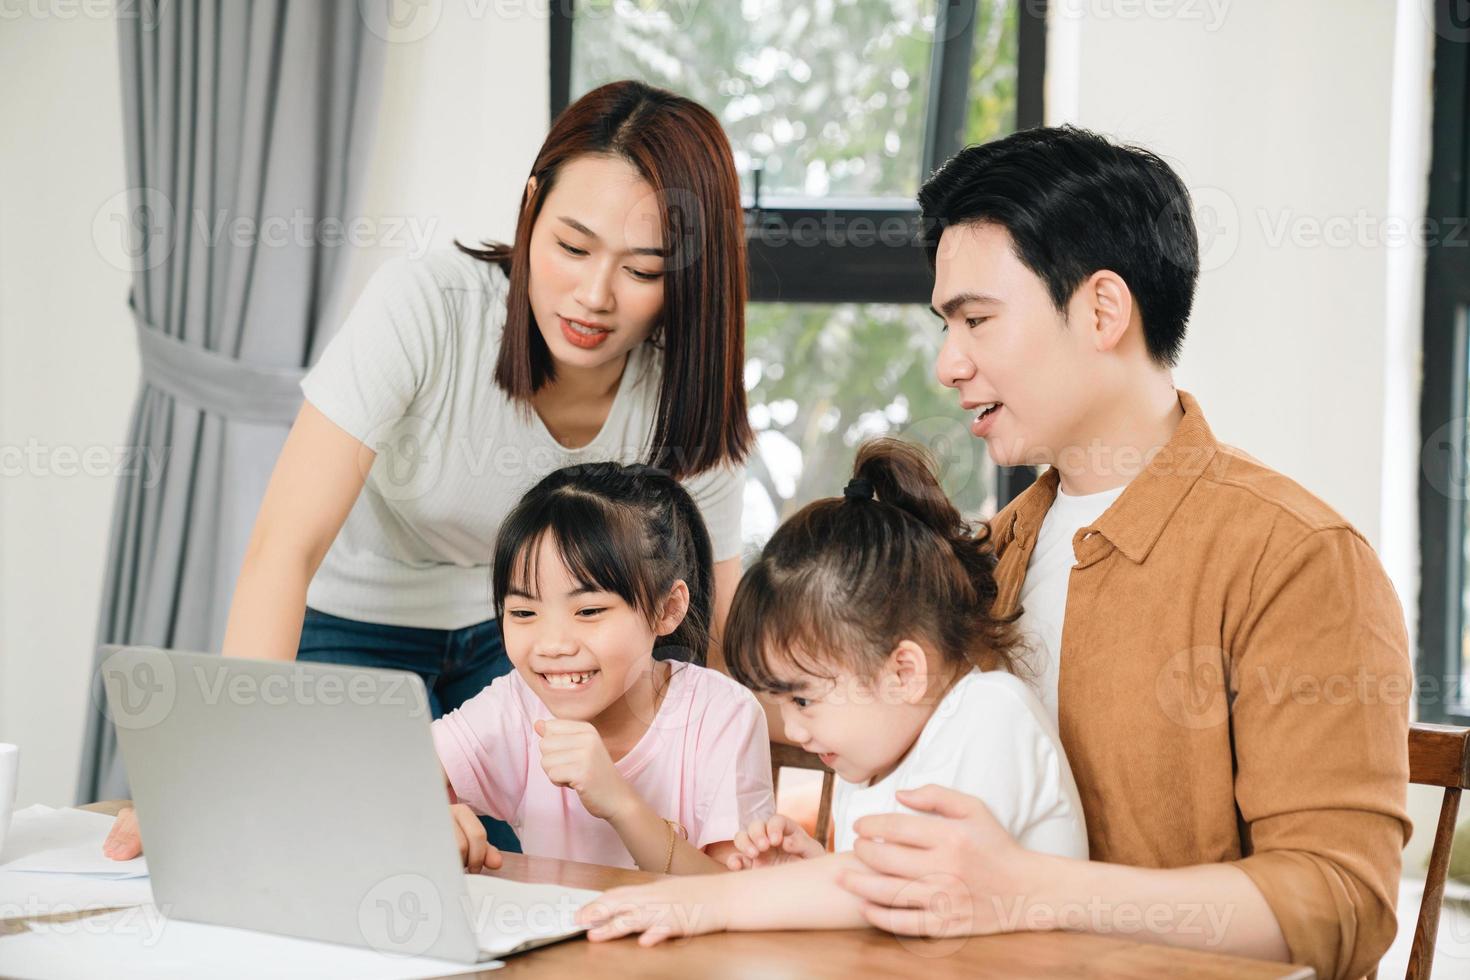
x: 506, y: 914
x: 143, y: 943
x: 66, y: 841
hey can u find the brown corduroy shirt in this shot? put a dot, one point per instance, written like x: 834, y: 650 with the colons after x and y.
x: 1235, y: 682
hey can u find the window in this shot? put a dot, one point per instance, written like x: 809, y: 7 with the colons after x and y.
x: 836, y: 110
x: 1444, y: 476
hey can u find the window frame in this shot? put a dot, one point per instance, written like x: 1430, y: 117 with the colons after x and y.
x: 1443, y: 405
x: 799, y: 248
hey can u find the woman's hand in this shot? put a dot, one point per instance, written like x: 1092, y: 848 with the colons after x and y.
x: 688, y: 905
x: 123, y: 842
x: 573, y: 755
x: 774, y: 841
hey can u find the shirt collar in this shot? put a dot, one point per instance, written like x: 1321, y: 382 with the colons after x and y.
x: 1136, y: 519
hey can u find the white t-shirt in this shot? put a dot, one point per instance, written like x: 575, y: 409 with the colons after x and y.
x: 1044, y: 592
x: 991, y: 738
x: 411, y: 374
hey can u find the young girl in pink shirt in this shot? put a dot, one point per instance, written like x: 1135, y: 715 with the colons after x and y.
x: 609, y: 743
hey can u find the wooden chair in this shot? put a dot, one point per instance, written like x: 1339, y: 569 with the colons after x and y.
x: 791, y: 757
x: 1439, y: 755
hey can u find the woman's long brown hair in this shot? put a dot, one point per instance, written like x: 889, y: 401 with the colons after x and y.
x: 679, y: 148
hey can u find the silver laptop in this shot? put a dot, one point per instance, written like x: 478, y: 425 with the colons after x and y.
x: 306, y: 800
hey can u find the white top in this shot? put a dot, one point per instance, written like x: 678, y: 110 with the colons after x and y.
x: 411, y: 374
x: 991, y: 738
x: 1044, y: 592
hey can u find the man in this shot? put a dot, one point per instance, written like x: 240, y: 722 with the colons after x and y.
x: 1227, y: 660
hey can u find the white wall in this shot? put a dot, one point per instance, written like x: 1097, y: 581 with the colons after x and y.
x: 68, y: 373
x: 464, y: 111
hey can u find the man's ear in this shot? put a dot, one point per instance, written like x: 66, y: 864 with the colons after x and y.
x: 1112, y: 308
x: 675, y: 608
x: 906, y: 673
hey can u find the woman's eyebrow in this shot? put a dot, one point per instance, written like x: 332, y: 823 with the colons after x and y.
x: 577, y: 226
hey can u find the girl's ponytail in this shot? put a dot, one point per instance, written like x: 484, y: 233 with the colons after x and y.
x: 847, y: 578
x: 903, y: 475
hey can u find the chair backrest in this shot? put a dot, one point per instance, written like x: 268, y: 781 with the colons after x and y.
x: 791, y: 757
x: 1439, y: 755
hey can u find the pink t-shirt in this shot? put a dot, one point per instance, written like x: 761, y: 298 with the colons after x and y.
x: 705, y: 762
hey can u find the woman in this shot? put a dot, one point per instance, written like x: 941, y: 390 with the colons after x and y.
x: 613, y: 329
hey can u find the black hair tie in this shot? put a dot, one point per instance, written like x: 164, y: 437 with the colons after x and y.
x: 859, y: 488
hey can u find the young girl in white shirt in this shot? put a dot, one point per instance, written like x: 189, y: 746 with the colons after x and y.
x: 868, y: 616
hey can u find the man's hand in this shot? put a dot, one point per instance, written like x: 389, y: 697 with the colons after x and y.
x: 572, y: 754
x: 475, y: 850
x: 956, y: 873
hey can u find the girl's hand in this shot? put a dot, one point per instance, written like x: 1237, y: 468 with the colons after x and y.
x: 775, y: 841
x: 573, y: 755
x: 475, y: 851
x: 690, y: 905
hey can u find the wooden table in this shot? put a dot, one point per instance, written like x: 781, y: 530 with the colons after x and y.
x: 845, y: 954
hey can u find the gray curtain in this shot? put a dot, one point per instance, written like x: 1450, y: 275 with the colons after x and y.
x: 248, y: 125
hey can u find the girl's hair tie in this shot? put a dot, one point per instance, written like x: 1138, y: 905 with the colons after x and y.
x: 859, y: 488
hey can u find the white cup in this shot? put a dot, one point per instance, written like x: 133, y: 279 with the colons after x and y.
x: 9, y: 777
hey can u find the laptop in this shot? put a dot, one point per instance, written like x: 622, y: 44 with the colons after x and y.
x: 307, y: 800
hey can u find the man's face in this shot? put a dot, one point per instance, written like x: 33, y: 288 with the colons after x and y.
x: 1007, y: 346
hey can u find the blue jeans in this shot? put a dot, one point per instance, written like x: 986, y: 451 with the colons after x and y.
x: 455, y: 665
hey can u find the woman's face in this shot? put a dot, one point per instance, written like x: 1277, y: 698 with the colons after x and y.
x: 597, y: 262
